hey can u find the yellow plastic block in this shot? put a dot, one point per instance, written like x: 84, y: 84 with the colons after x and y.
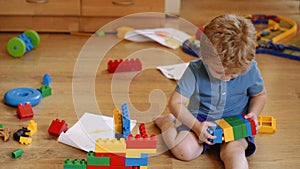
x: 267, y: 124
x: 32, y: 126
x: 110, y: 145
x: 118, y: 120
x: 227, y: 130
x: 136, y: 153
x: 25, y: 140
x: 143, y: 167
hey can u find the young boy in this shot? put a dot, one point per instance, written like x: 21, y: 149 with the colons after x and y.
x: 224, y: 82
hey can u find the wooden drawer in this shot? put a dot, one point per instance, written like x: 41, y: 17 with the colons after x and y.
x: 52, y: 7
x: 120, y: 7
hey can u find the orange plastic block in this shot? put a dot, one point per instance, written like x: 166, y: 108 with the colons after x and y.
x: 25, y: 111
x: 227, y: 130
x: 118, y: 121
x: 267, y: 124
x: 110, y: 145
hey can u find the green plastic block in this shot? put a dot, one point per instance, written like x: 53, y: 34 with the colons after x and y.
x: 1, y: 126
x: 237, y: 127
x: 45, y: 90
x: 99, y: 161
x: 75, y: 164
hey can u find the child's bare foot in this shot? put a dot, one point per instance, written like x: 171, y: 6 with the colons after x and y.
x: 165, y: 121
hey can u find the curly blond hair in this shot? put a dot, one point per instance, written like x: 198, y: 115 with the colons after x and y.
x: 234, y: 39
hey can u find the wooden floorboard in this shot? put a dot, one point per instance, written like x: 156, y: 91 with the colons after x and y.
x: 57, y: 55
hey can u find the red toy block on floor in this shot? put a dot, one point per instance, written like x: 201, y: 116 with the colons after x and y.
x: 57, y: 127
x: 126, y: 65
x: 24, y: 111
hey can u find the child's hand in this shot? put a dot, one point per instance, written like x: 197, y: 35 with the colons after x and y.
x: 253, y: 116
x: 204, y: 135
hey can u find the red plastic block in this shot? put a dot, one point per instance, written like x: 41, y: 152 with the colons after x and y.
x: 97, y: 167
x: 116, y: 159
x: 139, y: 142
x: 57, y: 127
x: 252, y: 124
x: 142, y: 130
x: 25, y: 111
x: 120, y: 167
x: 124, y: 66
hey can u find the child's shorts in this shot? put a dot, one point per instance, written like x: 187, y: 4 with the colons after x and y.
x: 248, y: 152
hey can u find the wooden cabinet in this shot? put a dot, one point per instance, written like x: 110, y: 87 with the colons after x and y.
x: 70, y: 15
x: 53, y: 16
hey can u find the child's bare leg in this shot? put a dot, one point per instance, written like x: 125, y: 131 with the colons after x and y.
x: 233, y: 154
x: 184, y: 145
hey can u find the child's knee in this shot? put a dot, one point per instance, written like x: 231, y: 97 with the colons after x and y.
x: 187, y: 151
x: 237, y: 147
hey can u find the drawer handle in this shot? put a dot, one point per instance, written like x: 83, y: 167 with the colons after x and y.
x: 37, y: 1
x: 122, y: 2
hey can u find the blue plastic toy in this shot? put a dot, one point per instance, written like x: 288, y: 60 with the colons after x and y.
x: 22, y: 95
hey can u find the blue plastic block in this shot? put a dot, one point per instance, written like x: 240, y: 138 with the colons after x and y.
x: 143, y: 161
x: 47, y: 80
x: 125, y: 120
x: 27, y: 41
x: 219, y: 133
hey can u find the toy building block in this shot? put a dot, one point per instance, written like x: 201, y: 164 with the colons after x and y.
x: 32, y: 126
x: 75, y: 164
x: 125, y: 120
x: 57, y: 127
x: 126, y: 65
x: 25, y: 111
x: 217, y: 131
x: 143, y: 161
x: 227, y: 130
x: 47, y: 80
x: 21, y: 132
x: 267, y: 124
x: 45, y: 90
x: 139, y: 142
x: 5, y: 133
x: 239, y: 128
x: 1, y: 126
x: 117, y: 120
x: 93, y: 160
x: 17, y: 153
x: 110, y: 145
x: 25, y: 140
x: 137, y: 153
x: 143, y: 167
x: 116, y: 159
x: 252, y: 123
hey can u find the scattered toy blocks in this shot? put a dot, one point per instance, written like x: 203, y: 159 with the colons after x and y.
x: 57, y: 127
x: 126, y: 65
x: 32, y: 127
x: 24, y: 111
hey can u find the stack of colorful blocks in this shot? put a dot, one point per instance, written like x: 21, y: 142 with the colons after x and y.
x: 233, y: 128
x: 130, y: 152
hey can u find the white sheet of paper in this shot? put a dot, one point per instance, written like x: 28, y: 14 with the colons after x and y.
x: 173, y: 71
x: 169, y: 37
x: 88, y: 129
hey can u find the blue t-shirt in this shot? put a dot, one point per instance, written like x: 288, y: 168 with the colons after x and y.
x: 211, y: 98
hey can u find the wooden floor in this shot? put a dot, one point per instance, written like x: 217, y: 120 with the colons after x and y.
x: 72, y: 68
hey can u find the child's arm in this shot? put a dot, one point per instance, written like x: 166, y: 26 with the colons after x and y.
x: 177, y: 106
x: 256, y: 105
